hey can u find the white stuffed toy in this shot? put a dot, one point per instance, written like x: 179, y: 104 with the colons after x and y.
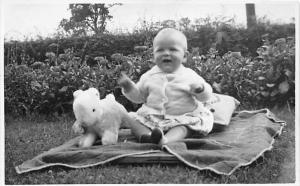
x: 97, y: 118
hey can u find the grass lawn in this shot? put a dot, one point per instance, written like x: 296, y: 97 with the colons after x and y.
x: 25, y: 139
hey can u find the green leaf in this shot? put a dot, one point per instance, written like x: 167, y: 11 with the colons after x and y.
x: 35, y: 85
x: 217, y: 86
x: 288, y: 73
x: 63, y: 89
x: 284, y: 87
x: 250, y: 82
x: 265, y: 93
x: 274, y: 93
x: 280, y: 41
x: 199, y: 68
x: 270, y: 85
x: 52, y: 95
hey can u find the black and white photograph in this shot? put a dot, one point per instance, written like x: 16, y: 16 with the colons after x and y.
x: 149, y: 92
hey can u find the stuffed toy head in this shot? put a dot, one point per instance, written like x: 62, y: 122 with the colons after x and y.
x: 86, y: 106
x: 97, y: 118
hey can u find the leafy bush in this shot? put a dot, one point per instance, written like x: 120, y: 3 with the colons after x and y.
x: 47, y: 87
x: 205, y: 33
x: 265, y: 80
x: 102, y: 45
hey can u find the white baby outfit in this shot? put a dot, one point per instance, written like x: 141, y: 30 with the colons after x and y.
x: 167, y: 101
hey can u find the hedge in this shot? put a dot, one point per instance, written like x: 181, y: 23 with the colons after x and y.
x: 47, y: 86
x: 203, y: 37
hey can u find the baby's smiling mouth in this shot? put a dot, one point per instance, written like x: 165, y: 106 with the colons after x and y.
x: 166, y: 60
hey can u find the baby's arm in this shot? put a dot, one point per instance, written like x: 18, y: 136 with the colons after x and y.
x: 130, y: 89
x: 125, y: 83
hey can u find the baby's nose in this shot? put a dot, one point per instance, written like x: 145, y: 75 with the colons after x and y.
x: 166, y: 52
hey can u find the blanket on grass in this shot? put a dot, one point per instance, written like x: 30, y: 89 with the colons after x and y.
x: 247, y: 137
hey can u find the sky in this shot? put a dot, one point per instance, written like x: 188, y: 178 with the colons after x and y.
x: 25, y: 20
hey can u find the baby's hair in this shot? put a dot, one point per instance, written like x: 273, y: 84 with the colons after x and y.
x: 168, y: 31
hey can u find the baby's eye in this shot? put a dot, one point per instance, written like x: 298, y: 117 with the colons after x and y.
x: 94, y: 110
x: 173, y: 49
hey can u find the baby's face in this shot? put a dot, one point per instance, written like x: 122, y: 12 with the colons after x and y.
x: 169, y: 52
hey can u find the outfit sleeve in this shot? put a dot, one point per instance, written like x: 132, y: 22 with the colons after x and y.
x: 138, y: 92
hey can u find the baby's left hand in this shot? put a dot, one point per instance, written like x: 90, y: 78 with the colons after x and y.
x: 196, y: 88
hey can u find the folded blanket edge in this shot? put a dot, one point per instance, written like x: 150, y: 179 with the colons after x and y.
x: 267, y: 112
x: 20, y: 171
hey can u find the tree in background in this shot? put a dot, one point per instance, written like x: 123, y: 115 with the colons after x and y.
x: 87, y: 19
x: 185, y: 23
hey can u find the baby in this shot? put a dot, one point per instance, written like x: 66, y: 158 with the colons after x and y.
x: 171, y: 94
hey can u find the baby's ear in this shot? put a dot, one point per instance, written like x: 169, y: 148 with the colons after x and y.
x: 95, y: 92
x: 77, y: 93
x: 186, y: 54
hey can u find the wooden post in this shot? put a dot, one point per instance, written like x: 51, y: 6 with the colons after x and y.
x: 251, y: 17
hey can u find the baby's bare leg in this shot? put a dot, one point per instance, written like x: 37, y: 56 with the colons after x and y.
x: 175, y: 134
x: 138, y: 129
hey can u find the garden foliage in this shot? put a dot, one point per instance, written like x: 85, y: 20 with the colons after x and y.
x: 266, y: 80
x: 256, y: 68
x: 44, y: 88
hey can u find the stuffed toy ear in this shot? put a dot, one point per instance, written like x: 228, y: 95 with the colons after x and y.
x: 94, y: 91
x: 77, y: 93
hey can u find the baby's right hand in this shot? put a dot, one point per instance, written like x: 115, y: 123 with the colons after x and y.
x: 77, y: 128
x: 125, y: 82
